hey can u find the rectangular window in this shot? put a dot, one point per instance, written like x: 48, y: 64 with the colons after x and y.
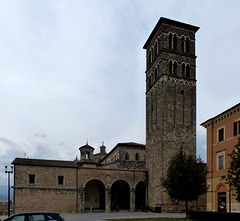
x: 60, y: 180
x: 87, y: 155
x: 220, y: 134
x: 31, y: 178
x: 236, y: 128
x: 221, y: 162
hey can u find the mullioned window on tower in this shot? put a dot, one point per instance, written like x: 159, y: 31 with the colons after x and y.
x: 185, y: 44
x: 172, y: 67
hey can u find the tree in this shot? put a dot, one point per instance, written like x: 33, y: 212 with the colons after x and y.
x: 186, y: 178
x: 234, y: 170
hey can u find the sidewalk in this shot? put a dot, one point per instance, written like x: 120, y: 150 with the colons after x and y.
x: 99, y: 216
x: 117, y: 215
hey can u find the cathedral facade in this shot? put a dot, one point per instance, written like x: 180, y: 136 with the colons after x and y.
x: 129, y: 176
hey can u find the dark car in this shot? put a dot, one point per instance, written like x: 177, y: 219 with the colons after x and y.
x: 36, y: 216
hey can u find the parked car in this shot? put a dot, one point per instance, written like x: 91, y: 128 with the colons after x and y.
x: 35, y: 216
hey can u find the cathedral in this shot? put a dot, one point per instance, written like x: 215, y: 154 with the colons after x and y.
x: 129, y: 176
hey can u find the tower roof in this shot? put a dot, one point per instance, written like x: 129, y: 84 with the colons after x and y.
x: 169, y: 22
x: 86, y: 146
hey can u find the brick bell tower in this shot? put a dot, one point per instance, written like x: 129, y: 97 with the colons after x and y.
x: 170, y: 102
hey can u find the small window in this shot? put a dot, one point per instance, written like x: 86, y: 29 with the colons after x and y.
x: 170, y: 41
x: 187, y: 71
x: 236, y: 128
x: 60, y: 180
x: 220, y: 134
x: 137, y: 157
x: 156, y: 49
x: 175, y: 68
x: 221, y: 162
x: 183, y: 69
x: 31, y: 179
x: 170, y: 67
x: 87, y: 155
x: 149, y: 81
x: 175, y: 41
x: 187, y: 45
x: 183, y: 43
x: 127, y: 156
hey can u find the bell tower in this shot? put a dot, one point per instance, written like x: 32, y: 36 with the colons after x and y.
x: 170, y: 101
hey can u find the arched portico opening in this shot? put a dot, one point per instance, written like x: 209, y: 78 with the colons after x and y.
x: 95, y: 195
x: 120, y: 195
x: 140, y: 195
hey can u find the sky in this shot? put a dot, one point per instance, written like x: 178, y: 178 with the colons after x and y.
x: 74, y: 71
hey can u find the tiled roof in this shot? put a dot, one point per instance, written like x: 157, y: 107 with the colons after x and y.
x: 40, y: 162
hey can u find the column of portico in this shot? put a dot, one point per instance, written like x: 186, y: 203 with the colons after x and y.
x: 82, y: 200
x: 132, y: 200
x: 108, y: 200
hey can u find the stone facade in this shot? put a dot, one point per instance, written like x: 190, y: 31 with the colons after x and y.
x: 76, y: 186
x: 170, y: 101
x: 129, y: 176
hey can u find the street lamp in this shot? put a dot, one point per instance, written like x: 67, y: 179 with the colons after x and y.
x: 8, y: 172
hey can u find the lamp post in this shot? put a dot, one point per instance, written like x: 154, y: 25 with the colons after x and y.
x: 8, y: 172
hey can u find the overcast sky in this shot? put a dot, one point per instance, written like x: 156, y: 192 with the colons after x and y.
x: 73, y: 71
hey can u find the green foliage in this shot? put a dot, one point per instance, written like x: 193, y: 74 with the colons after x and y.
x: 186, y: 177
x: 234, y: 170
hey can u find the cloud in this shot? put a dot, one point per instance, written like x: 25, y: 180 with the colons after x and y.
x: 75, y: 70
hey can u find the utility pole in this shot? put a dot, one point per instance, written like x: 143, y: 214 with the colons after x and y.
x: 9, y: 188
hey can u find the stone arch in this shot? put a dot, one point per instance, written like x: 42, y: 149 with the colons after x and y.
x: 120, y: 195
x: 140, y: 196
x: 95, y: 194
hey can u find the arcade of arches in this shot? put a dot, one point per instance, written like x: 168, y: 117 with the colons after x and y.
x: 120, y: 196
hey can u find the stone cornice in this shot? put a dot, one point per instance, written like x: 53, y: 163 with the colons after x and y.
x: 171, y: 78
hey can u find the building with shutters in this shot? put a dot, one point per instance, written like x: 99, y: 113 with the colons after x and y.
x: 223, y: 133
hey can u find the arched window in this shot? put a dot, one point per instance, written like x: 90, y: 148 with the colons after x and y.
x: 127, y: 156
x: 158, y: 70
x: 188, y: 71
x: 175, y: 68
x: 149, y: 81
x: 183, y: 69
x: 170, y: 67
x: 183, y: 43
x: 137, y: 157
x: 187, y: 44
x: 175, y: 41
x: 170, y: 41
x: 159, y: 45
x: 155, y: 49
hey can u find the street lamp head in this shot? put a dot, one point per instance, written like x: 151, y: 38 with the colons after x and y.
x: 5, y: 169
